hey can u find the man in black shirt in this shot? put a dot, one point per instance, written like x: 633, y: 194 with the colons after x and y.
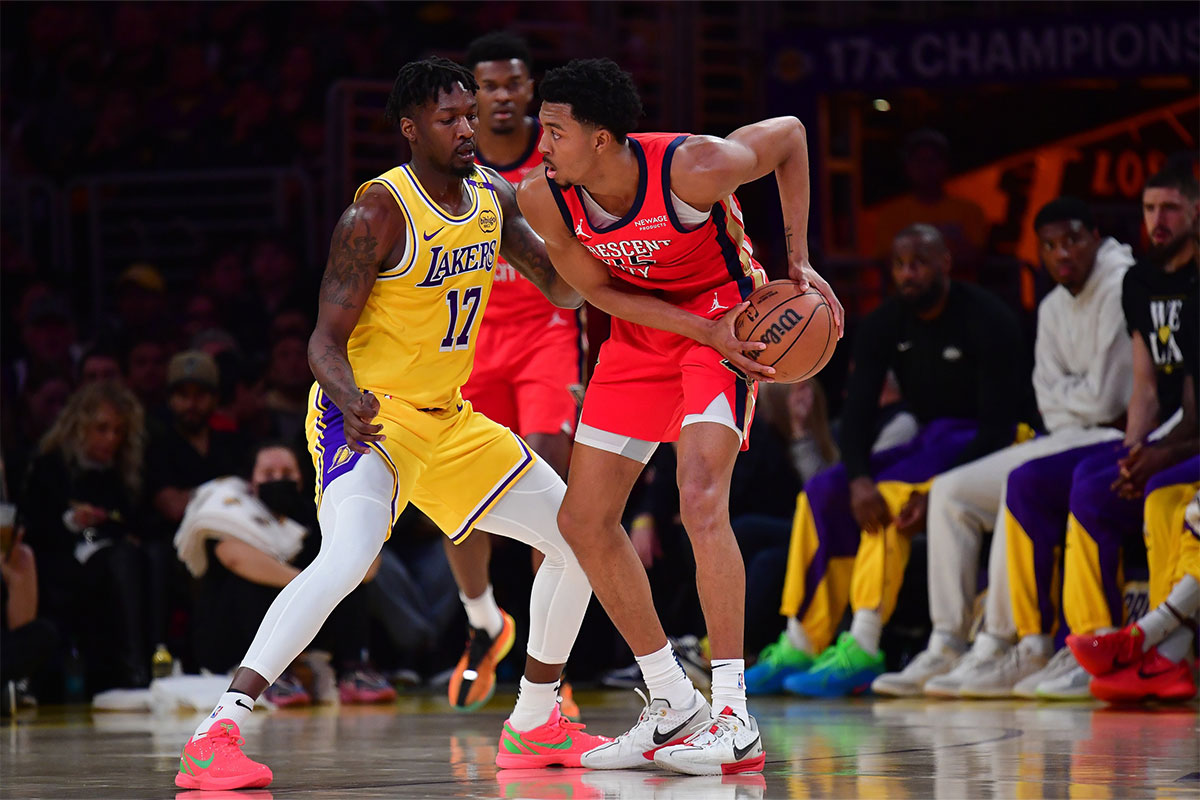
x: 1110, y: 492
x: 180, y: 457
x: 957, y: 354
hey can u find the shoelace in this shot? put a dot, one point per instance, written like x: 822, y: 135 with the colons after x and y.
x: 642, y: 718
x: 224, y: 739
x: 723, y: 724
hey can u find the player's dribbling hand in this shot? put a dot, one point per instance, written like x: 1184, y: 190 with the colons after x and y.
x: 357, y: 425
x: 722, y: 339
x: 804, y: 274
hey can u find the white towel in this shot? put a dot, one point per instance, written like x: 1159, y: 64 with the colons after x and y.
x: 225, y: 508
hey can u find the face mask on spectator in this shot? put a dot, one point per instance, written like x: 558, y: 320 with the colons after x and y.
x: 282, y: 497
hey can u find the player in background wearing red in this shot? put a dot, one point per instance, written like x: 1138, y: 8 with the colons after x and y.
x: 527, y: 366
x: 646, y: 228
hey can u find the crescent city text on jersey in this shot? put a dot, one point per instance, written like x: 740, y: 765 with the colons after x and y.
x: 460, y: 260
x: 631, y: 255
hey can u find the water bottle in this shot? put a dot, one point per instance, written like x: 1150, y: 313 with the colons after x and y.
x: 161, y: 663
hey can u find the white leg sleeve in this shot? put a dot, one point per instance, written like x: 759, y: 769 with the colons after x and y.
x: 355, y: 519
x: 528, y: 512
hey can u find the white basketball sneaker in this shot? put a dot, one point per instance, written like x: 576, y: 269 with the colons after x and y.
x: 729, y: 746
x: 986, y: 648
x: 934, y: 660
x: 659, y: 725
x: 997, y: 677
x: 1061, y: 679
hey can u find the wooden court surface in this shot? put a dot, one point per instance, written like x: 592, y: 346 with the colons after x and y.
x: 418, y: 748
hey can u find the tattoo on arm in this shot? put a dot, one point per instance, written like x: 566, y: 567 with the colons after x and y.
x: 787, y: 237
x: 331, y: 368
x: 352, y: 261
x: 526, y: 251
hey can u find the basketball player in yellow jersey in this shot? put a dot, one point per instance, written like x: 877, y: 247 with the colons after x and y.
x: 409, y: 274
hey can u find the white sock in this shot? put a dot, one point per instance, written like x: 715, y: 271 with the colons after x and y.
x: 665, y: 679
x: 1183, y: 601
x: 729, y: 686
x: 483, y: 613
x: 232, y: 706
x: 866, y: 627
x: 798, y: 637
x: 1176, y: 646
x: 535, y: 703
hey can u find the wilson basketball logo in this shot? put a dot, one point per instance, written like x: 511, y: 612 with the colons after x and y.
x: 787, y: 320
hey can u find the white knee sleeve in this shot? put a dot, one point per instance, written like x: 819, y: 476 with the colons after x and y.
x: 528, y: 512
x: 355, y: 519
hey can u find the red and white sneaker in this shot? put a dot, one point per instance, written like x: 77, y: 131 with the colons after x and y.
x: 1108, y: 652
x: 730, y: 746
x: 363, y: 686
x: 1154, y: 677
x: 216, y: 762
x: 658, y: 726
x: 557, y: 743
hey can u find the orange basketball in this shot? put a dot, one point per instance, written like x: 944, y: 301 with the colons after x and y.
x: 797, y: 328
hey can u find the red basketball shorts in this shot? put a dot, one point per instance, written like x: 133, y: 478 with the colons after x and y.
x: 648, y: 384
x: 527, y: 376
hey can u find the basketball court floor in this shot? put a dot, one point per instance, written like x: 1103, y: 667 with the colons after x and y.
x: 418, y: 748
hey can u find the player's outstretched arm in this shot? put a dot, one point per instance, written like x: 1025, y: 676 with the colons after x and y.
x: 620, y: 299
x: 524, y: 249
x: 368, y: 232
x: 707, y: 169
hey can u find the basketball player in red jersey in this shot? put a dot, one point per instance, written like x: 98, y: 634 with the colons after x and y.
x: 646, y: 228
x: 523, y: 387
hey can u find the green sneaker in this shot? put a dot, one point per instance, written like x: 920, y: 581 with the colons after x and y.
x: 776, y: 662
x: 845, y: 668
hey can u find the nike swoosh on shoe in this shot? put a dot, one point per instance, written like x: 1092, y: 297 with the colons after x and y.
x: 661, y: 738
x: 740, y: 753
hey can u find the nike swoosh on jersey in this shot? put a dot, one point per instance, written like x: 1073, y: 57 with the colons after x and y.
x: 429, y: 236
x: 661, y: 738
x: 739, y: 752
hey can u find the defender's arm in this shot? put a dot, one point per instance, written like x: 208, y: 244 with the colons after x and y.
x: 526, y: 251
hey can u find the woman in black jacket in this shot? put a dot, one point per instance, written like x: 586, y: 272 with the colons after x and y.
x: 78, y: 507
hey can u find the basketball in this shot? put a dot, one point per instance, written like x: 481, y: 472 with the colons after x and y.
x: 797, y: 328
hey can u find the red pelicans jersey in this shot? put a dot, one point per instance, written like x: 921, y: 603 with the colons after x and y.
x: 649, y: 246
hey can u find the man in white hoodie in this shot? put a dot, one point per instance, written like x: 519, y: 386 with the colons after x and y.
x: 1083, y: 378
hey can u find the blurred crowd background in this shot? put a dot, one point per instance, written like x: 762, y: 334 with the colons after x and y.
x: 170, y: 173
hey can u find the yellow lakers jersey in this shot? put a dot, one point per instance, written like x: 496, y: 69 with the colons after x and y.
x: 415, y: 339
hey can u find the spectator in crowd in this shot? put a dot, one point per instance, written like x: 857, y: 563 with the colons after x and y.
x: 288, y: 383
x: 79, y: 507
x: 47, y: 336
x: 181, y: 455
x: 1082, y: 379
x: 241, y: 540
x: 1104, y: 492
x: 145, y: 369
x: 37, y: 407
x: 199, y: 314
x: 27, y: 640
x: 956, y: 353
x: 141, y: 302
x: 926, y: 155
x: 276, y: 278
x: 99, y: 363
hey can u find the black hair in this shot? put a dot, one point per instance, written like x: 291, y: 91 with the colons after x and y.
x: 498, y: 46
x: 599, y: 92
x: 420, y: 82
x: 925, y: 137
x: 251, y: 457
x: 1178, y: 175
x: 1065, y: 209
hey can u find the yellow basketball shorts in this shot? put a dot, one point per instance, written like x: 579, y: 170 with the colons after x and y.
x: 452, y: 463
